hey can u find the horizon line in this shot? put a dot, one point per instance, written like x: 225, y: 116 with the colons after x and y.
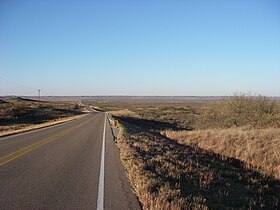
x: 124, y: 95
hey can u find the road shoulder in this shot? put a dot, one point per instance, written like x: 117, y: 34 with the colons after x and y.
x: 120, y: 195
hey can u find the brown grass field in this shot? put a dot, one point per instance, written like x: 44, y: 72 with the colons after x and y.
x: 25, y: 114
x: 258, y: 148
x: 200, y: 154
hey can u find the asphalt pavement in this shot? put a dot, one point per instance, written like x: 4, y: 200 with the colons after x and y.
x: 73, y: 165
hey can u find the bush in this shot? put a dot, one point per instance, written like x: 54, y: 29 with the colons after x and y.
x: 241, y: 110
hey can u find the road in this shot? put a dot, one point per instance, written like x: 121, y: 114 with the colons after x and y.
x: 74, y: 165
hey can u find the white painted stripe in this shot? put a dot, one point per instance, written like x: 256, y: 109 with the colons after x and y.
x: 100, y: 199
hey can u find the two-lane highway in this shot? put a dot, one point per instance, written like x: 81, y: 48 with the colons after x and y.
x: 74, y: 165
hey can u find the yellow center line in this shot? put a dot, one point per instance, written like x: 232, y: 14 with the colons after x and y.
x: 34, y: 146
x: 24, y: 148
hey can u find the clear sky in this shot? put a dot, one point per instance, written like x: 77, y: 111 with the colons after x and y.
x: 140, y: 47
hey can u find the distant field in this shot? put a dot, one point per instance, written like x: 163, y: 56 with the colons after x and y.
x: 200, y: 153
x: 176, y: 114
x: 17, y: 113
x: 196, y: 113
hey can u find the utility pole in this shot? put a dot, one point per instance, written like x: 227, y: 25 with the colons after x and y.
x: 39, y: 94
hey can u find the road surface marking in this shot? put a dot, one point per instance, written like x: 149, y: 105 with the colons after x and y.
x: 100, y: 199
x: 36, y: 145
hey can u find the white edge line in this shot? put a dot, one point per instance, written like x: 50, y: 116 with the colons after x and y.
x: 100, y: 199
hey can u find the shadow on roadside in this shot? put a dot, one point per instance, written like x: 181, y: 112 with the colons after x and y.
x: 219, y: 182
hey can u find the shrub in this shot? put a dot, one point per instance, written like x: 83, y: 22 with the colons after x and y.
x: 241, y: 110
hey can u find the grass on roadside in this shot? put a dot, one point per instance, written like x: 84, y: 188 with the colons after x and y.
x: 258, y: 148
x: 221, y: 155
x: 18, y: 113
x: 168, y: 175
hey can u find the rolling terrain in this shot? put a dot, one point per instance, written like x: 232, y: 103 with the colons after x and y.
x: 202, y: 153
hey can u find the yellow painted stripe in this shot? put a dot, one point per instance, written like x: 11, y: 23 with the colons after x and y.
x: 24, y: 148
x: 34, y: 146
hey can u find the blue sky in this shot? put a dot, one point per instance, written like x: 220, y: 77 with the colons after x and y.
x: 147, y: 47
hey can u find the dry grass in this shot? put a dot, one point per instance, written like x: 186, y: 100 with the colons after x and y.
x: 240, y: 110
x: 20, y: 114
x: 174, y: 165
x: 15, y: 130
x: 258, y: 148
x: 179, y: 114
x: 168, y: 175
x: 124, y: 112
x: 152, y: 191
